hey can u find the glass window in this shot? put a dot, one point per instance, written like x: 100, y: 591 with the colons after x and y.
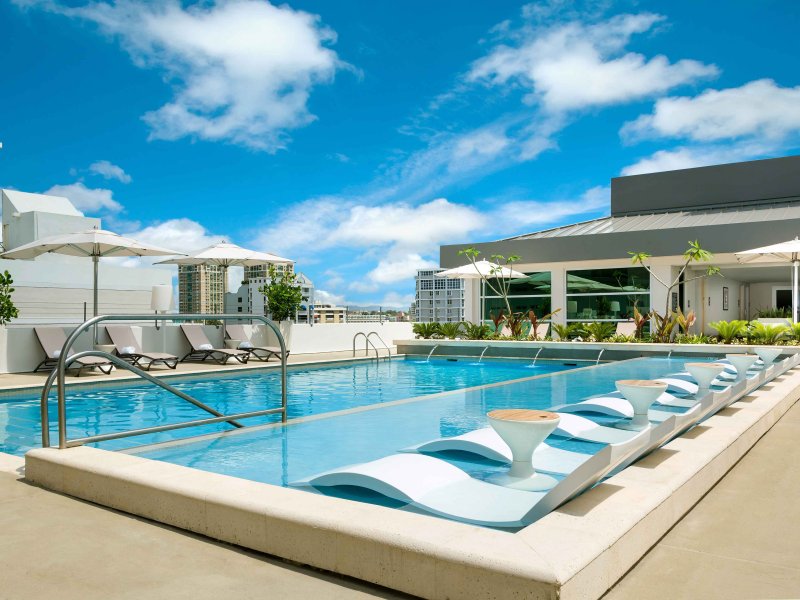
x: 539, y: 305
x: 599, y: 281
x: 534, y: 284
x: 607, y: 294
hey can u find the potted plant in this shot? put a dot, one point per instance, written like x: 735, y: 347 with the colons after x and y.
x: 283, y: 297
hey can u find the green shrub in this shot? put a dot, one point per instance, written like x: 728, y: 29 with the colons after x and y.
x: 426, y: 330
x: 450, y: 330
x: 773, y: 313
x: 763, y: 333
x: 569, y: 331
x: 600, y: 331
x: 7, y: 309
x: 477, y: 331
x: 729, y: 330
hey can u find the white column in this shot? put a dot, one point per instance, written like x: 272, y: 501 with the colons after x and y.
x: 558, y: 294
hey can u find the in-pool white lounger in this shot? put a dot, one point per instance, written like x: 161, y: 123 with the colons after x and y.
x: 615, y: 405
x: 437, y: 487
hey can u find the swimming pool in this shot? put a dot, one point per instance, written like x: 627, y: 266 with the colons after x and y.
x: 97, y: 408
x: 286, y: 453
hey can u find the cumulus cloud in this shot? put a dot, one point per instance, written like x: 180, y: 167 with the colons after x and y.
x: 395, y: 300
x: 759, y: 109
x: 397, y: 268
x: 109, y: 170
x: 325, y: 297
x: 578, y: 65
x: 242, y: 71
x: 85, y: 199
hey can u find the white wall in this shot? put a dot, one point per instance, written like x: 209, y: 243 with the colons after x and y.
x: 20, y: 351
x: 761, y: 295
x: 712, y: 301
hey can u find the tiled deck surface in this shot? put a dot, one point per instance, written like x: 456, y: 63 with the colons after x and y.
x: 742, y: 540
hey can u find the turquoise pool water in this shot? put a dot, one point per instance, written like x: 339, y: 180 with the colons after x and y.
x: 104, y: 409
x: 283, y: 454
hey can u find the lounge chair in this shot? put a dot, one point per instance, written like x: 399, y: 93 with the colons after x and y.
x: 237, y: 332
x: 543, y: 331
x: 202, y: 348
x: 435, y: 486
x: 127, y: 347
x: 52, y: 340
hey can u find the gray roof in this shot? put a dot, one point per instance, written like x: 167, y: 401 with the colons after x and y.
x: 671, y: 220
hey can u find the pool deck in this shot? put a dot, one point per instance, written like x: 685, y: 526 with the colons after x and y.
x: 23, y: 381
x: 739, y: 541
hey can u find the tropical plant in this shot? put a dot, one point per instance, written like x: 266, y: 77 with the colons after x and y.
x: 665, y: 323
x: 282, y: 293
x: 7, y: 309
x: 600, y: 331
x: 685, y: 321
x: 496, y: 280
x: 774, y: 313
x: 763, y: 333
x: 516, y: 324
x: 729, y: 330
x: 536, y: 321
x: 639, y: 320
x: 476, y: 331
x: 568, y: 331
x: 621, y: 338
x: 692, y: 339
x: 450, y: 330
x: 426, y: 330
x: 498, y: 321
x: 794, y: 331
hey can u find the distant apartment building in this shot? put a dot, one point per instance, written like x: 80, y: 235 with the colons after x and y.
x: 328, y: 313
x: 54, y: 288
x: 200, y: 289
x: 437, y: 299
x: 248, y: 298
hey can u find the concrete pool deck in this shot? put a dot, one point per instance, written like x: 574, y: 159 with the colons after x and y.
x: 54, y: 545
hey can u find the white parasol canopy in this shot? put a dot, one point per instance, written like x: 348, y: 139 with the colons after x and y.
x: 479, y: 270
x: 783, y: 252
x: 225, y: 254
x: 94, y: 243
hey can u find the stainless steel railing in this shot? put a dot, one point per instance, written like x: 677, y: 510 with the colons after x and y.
x: 367, y: 344
x: 59, y: 375
x: 385, y: 345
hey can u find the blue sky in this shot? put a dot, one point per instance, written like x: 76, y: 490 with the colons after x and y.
x: 356, y: 137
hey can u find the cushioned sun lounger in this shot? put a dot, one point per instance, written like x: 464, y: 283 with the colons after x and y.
x: 202, y: 348
x: 437, y: 487
x: 237, y: 332
x: 128, y: 347
x: 52, y: 340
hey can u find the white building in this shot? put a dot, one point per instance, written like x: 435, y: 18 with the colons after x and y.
x: 55, y: 288
x: 438, y: 299
x: 248, y: 298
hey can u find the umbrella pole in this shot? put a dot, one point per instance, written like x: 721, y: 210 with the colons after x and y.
x: 96, y: 261
x: 794, y: 290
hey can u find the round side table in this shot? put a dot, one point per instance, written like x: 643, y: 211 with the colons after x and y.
x: 704, y: 373
x: 641, y: 393
x: 741, y: 362
x: 523, y: 430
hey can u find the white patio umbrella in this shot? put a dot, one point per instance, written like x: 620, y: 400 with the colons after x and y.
x: 94, y: 243
x: 479, y: 270
x: 226, y: 255
x: 783, y: 252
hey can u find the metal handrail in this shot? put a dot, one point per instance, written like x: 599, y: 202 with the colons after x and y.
x: 367, y: 344
x: 385, y: 345
x: 59, y: 374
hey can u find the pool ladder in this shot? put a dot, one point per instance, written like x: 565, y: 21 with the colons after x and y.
x: 58, y: 375
x: 368, y: 343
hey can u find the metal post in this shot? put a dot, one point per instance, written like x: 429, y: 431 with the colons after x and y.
x: 96, y: 261
x: 795, y: 282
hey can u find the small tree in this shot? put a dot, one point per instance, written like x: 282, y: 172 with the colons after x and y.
x: 502, y: 283
x: 283, y: 294
x: 7, y: 309
x: 694, y: 254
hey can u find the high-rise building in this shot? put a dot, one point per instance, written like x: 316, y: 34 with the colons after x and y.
x: 438, y: 299
x: 248, y: 298
x: 200, y: 289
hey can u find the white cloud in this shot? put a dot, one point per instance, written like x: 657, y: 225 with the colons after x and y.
x: 324, y: 297
x: 109, y: 170
x: 534, y: 213
x: 579, y: 65
x: 700, y: 156
x: 242, y: 70
x: 759, y: 109
x: 86, y: 199
x: 395, y: 300
x: 397, y: 268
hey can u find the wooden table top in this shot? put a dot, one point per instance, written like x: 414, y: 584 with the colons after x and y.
x: 521, y: 414
x: 642, y: 383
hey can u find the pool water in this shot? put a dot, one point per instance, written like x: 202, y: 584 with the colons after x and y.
x: 286, y: 453
x: 100, y: 409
